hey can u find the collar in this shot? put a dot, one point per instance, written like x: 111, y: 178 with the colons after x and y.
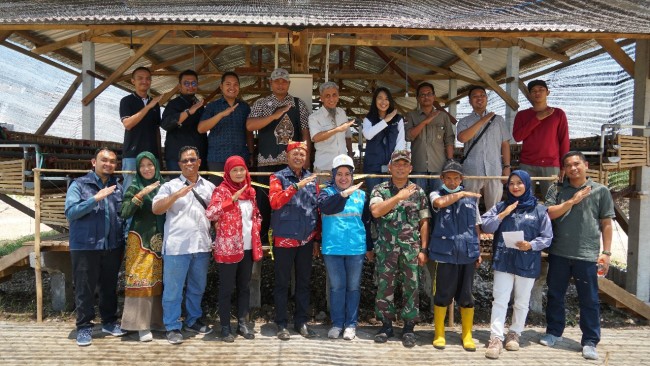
x: 141, y: 98
x: 183, y: 179
x: 480, y: 115
x: 567, y: 184
x: 99, y: 180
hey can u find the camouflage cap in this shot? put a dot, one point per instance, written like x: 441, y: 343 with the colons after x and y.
x: 280, y: 74
x: 400, y: 155
x: 452, y: 166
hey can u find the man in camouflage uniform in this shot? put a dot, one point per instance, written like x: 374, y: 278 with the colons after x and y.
x: 401, y: 212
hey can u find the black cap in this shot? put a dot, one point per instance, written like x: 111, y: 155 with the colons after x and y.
x: 536, y: 83
x: 453, y: 166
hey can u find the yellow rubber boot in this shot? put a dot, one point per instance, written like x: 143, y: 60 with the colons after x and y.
x: 467, y: 321
x: 439, y: 313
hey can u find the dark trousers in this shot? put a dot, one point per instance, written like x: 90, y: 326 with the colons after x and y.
x: 285, y: 260
x: 453, y: 282
x: 214, y: 166
x: 262, y: 198
x: 95, y: 269
x: 229, y: 275
x: 560, y: 271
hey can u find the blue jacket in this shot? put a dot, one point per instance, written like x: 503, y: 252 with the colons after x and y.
x: 298, y: 218
x: 94, y: 225
x: 537, y: 228
x: 454, y: 238
x: 345, y: 222
x: 380, y: 147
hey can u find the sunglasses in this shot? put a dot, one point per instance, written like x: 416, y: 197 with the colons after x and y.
x: 190, y: 83
x: 188, y: 160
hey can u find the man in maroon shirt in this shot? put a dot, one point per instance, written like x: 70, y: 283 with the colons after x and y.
x: 545, y: 133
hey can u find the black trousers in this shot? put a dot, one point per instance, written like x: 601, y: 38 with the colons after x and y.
x: 285, y: 260
x: 453, y: 281
x: 262, y: 198
x: 95, y: 269
x: 229, y: 275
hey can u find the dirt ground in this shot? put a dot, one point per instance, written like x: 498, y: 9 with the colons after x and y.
x: 16, y: 224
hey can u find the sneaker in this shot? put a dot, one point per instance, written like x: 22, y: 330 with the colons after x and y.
x: 145, y: 335
x: 549, y: 340
x: 512, y: 341
x: 198, y: 327
x: 175, y: 336
x: 334, y: 333
x: 589, y: 352
x: 494, y: 348
x: 350, y: 333
x: 113, y: 329
x: 84, y: 336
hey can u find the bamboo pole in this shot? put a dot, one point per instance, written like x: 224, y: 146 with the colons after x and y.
x: 37, y: 245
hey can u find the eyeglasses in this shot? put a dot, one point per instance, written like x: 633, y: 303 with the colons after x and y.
x: 426, y: 95
x: 188, y: 160
x: 190, y: 83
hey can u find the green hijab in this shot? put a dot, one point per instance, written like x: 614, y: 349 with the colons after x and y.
x: 139, y: 182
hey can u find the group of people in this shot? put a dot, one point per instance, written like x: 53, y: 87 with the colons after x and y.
x: 174, y: 227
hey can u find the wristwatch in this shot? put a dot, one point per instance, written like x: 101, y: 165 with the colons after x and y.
x: 606, y: 252
x: 424, y: 250
x: 506, y: 166
x: 188, y: 112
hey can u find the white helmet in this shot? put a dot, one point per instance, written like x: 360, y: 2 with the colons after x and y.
x: 342, y: 160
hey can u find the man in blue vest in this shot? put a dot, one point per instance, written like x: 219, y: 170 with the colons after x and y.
x: 92, y: 207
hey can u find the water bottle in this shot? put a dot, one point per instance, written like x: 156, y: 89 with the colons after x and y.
x: 601, y: 268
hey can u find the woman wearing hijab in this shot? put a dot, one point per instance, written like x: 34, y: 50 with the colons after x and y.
x: 345, y: 213
x: 383, y: 129
x: 517, y: 264
x: 237, y: 244
x: 143, y: 278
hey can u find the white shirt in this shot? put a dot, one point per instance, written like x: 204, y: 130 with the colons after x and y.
x: 326, y: 150
x: 369, y: 131
x: 187, y: 229
x: 246, y: 208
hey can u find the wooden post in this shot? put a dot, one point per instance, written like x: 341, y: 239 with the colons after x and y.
x: 37, y: 245
x: 88, y: 85
x: 512, y: 87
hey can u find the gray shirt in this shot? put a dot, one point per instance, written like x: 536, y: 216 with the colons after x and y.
x: 428, y: 148
x: 485, y: 157
x: 187, y: 229
x: 576, y: 234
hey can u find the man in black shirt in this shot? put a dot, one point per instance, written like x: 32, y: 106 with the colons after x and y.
x: 140, y: 115
x: 180, y: 119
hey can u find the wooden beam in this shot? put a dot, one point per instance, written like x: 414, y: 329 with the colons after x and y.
x: 618, y: 55
x: 524, y: 90
x: 538, y: 49
x: 391, y: 62
x: 299, y: 52
x: 47, y: 123
x: 224, y: 41
x: 480, y: 72
x: 456, y: 59
x: 122, y: 68
x: 623, y: 297
x: 4, y: 35
x: 77, y: 38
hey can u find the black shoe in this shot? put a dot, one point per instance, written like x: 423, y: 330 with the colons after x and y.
x: 283, y: 333
x: 408, y: 336
x: 226, y: 336
x: 385, y: 332
x: 305, y: 331
x: 244, y: 331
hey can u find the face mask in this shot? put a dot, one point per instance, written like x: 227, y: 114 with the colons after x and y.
x: 452, y: 191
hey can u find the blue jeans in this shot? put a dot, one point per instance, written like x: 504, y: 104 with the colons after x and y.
x: 560, y: 271
x: 177, y: 270
x: 429, y: 185
x: 344, y: 274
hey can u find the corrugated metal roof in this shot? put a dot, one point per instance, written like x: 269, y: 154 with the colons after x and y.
x: 614, y: 16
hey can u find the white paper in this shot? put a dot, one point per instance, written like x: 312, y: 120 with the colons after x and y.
x: 512, y: 237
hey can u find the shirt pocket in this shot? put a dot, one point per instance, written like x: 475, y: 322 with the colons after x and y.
x: 442, y: 246
x: 525, y: 261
